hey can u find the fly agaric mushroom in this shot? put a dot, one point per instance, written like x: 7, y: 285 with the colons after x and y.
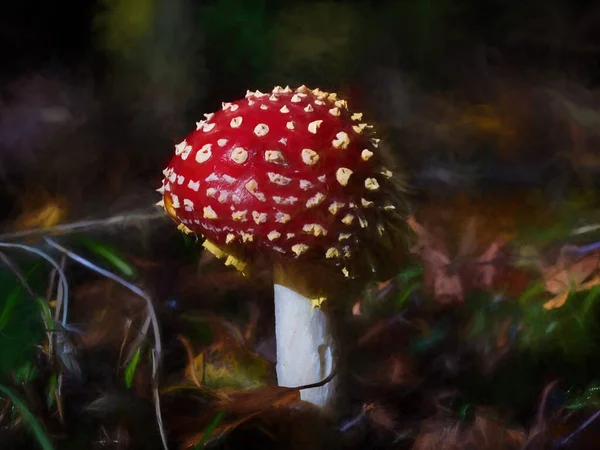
x: 292, y: 175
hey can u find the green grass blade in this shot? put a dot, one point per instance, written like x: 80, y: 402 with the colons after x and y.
x: 29, y: 419
x: 210, y: 429
x: 131, y: 367
x: 403, y: 298
x: 9, y: 306
x: 590, y: 300
x: 109, y: 254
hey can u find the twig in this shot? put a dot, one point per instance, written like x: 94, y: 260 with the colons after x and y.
x: 50, y: 288
x: 323, y: 382
x: 63, y: 286
x: 59, y: 298
x: 161, y: 428
x: 351, y: 423
x: 583, y: 249
x: 157, y: 351
x: 132, y: 287
x: 141, y: 336
x: 58, y: 397
x: 49, y: 333
x: 585, y: 229
x: 578, y: 430
x: 49, y: 291
x: 190, y: 354
x: 18, y: 273
x: 5, y: 410
x: 59, y: 302
x: 83, y: 225
x: 538, y: 428
x: 122, y: 347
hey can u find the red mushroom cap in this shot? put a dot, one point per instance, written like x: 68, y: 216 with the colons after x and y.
x: 292, y: 173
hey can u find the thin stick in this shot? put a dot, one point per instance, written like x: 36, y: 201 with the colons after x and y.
x: 59, y: 299
x: 161, y: 428
x: 122, y: 347
x: 582, y: 427
x: 323, y: 382
x: 132, y: 287
x: 141, y: 336
x: 5, y: 410
x: 49, y: 291
x: 63, y: 286
x: 157, y: 351
x: 23, y: 280
x: 190, y: 355
x: 17, y: 273
x: 84, y: 224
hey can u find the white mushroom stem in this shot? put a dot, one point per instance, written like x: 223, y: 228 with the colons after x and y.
x: 305, y: 346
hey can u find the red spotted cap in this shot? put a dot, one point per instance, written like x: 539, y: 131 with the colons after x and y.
x: 292, y: 173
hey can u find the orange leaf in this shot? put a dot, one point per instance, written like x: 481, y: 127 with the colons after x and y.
x: 446, y: 286
x: 557, y: 301
x: 567, y: 275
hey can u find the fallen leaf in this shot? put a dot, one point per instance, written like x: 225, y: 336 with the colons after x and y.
x: 485, y: 431
x: 486, y: 268
x: 260, y: 405
x: 570, y: 275
x: 48, y: 214
x: 446, y: 286
x: 450, y: 278
x: 245, y: 402
x: 233, y: 368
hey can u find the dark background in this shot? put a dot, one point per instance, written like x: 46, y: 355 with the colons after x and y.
x: 407, y: 62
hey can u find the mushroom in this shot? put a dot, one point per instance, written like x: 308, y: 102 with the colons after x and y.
x: 295, y: 177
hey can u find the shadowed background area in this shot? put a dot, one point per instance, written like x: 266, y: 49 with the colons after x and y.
x: 97, y: 91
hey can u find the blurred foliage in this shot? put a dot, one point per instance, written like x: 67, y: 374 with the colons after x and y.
x: 588, y: 397
x: 316, y: 44
x: 234, y: 369
x: 238, y: 39
x: 126, y: 22
x: 158, y: 69
x: 21, y: 326
x: 42, y: 438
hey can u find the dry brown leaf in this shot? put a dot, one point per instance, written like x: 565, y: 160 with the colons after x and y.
x: 42, y: 214
x: 450, y: 278
x: 218, y: 432
x: 482, y: 433
x: 446, y: 286
x: 569, y: 274
x: 244, y: 405
x: 248, y: 402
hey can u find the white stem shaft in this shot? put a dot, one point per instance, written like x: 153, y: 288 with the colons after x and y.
x: 304, y: 345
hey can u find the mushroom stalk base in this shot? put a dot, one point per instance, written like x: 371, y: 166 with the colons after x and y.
x: 304, y: 345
